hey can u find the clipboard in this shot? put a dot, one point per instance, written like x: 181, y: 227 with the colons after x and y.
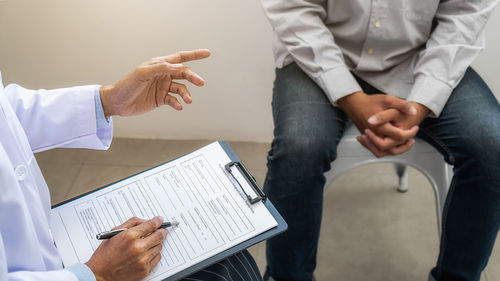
x: 281, y: 227
x: 232, y: 169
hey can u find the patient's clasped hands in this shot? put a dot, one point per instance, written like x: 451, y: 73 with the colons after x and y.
x: 388, y: 124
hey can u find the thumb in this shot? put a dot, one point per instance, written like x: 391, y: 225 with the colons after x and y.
x: 385, y: 116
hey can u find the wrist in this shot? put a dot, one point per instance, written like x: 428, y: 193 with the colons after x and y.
x: 345, y: 101
x: 422, y: 110
x: 105, y: 93
x: 97, y: 276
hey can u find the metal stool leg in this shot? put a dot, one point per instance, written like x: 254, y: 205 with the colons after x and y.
x: 402, y: 172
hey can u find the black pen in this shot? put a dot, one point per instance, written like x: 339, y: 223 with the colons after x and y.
x: 111, y: 233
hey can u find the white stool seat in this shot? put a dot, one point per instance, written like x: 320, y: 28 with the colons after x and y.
x: 422, y: 156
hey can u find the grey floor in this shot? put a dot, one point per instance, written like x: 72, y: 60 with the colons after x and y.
x: 369, y: 232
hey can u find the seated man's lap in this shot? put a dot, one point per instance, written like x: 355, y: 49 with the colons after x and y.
x: 239, y: 267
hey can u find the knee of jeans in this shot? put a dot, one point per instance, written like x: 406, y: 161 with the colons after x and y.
x: 482, y: 149
x: 309, y: 153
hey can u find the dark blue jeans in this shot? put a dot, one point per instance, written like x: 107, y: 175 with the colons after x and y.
x: 307, y: 131
x: 238, y: 267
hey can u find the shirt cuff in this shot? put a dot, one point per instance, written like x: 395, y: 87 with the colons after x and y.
x: 338, y: 83
x: 102, y: 120
x: 430, y: 92
x: 82, y: 272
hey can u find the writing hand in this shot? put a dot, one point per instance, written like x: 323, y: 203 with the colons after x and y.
x: 130, y: 255
x: 152, y: 84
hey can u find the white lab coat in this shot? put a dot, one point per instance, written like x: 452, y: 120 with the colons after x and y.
x: 32, y: 121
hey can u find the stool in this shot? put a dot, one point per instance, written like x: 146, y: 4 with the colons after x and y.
x: 422, y: 156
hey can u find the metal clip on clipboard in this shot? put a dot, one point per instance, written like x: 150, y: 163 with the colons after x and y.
x: 258, y: 194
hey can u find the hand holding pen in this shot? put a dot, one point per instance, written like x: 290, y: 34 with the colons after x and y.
x: 111, y: 233
x: 132, y: 254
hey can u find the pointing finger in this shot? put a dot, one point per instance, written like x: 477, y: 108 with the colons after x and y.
x: 133, y: 221
x: 150, y: 71
x: 184, y: 56
x: 177, y: 71
x: 145, y: 228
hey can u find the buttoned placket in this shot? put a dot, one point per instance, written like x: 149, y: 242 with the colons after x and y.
x: 370, y: 53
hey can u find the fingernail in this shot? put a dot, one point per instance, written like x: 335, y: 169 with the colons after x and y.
x: 373, y: 119
x: 413, y: 110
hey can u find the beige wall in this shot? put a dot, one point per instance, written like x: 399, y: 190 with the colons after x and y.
x: 57, y: 43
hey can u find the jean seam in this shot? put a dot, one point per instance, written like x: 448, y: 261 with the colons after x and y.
x: 441, y: 144
x: 443, y: 228
x: 451, y: 190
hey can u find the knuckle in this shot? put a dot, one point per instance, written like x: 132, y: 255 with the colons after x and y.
x: 136, y: 248
x: 172, y: 100
x: 128, y: 235
x: 150, y: 224
x: 384, y: 147
x: 143, y: 261
x: 135, y: 220
x: 143, y: 270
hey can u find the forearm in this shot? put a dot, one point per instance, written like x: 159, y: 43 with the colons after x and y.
x: 453, y: 45
x: 300, y: 28
x: 63, y: 274
x: 57, y: 118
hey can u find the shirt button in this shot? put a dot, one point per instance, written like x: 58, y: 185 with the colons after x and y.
x: 378, y: 23
x: 21, y: 172
x: 370, y: 51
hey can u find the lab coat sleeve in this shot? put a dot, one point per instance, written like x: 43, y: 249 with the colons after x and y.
x: 31, y: 275
x: 59, y: 118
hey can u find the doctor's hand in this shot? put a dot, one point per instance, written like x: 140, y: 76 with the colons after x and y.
x: 152, y: 84
x: 360, y: 107
x: 130, y: 255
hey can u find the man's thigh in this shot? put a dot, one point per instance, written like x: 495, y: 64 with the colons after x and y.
x: 469, y: 125
x: 307, y: 125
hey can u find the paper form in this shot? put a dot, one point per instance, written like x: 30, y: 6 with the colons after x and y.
x: 194, y: 190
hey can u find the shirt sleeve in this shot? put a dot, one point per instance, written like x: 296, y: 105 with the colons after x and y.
x: 103, y: 123
x: 455, y: 42
x: 82, y: 272
x: 60, y: 118
x: 299, y: 25
x: 52, y: 275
